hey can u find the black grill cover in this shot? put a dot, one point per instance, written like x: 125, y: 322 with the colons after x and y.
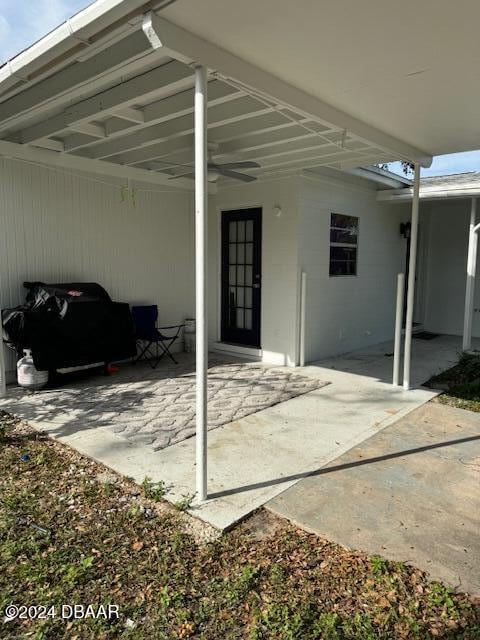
x: 70, y: 325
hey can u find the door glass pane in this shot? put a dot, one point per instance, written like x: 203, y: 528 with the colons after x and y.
x: 240, y: 296
x: 241, y: 231
x: 233, y: 231
x: 241, y: 275
x: 249, y: 254
x: 248, y: 276
x: 241, y: 253
x: 240, y: 322
x: 248, y: 297
x: 232, y: 276
x: 248, y: 319
x: 249, y: 231
x: 232, y: 254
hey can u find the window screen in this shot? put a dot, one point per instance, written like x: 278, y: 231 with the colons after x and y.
x: 343, y: 245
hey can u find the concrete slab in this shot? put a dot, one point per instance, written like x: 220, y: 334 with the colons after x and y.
x: 410, y: 493
x: 254, y: 459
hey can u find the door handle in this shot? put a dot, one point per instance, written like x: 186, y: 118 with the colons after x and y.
x: 256, y: 285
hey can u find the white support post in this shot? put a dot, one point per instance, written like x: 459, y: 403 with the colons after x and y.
x: 407, y: 360
x: 470, y: 285
x: 303, y: 304
x: 398, y: 328
x: 201, y: 213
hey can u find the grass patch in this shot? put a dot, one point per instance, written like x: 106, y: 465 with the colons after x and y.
x: 462, y: 383
x: 69, y: 537
x: 154, y: 490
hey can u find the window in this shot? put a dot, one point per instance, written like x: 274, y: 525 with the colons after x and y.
x: 343, y: 245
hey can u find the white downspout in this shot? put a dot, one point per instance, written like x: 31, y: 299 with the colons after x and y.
x: 411, y: 280
x: 201, y: 212
x: 471, y: 270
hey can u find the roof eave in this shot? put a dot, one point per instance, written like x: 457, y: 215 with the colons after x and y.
x: 69, y: 39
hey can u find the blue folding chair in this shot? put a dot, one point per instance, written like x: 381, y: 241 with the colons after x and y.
x: 152, y: 342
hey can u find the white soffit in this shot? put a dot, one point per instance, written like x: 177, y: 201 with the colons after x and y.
x: 409, y: 68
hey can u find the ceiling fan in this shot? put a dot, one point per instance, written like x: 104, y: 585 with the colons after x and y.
x: 215, y: 170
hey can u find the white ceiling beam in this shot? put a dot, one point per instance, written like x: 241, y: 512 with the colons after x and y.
x: 183, y: 45
x: 98, y: 167
x: 77, y: 141
x: 159, y: 82
x: 174, y: 106
x: 89, y: 129
x: 262, y: 156
x: 235, y: 130
x: 49, y: 143
x: 223, y: 114
x: 255, y: 141
x: 164, y: 80
x: 309, y: 159
x: 130, y: 114
x: 154, y: 151
x: 296, y: 150
x: 267, y: 124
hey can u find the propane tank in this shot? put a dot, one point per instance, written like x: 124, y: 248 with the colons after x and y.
x: 27, y: 375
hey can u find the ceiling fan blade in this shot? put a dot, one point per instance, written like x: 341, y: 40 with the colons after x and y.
x: 158, y: 164
x: 246, y: 164
x: 234, y: 174
x: 182, y: 175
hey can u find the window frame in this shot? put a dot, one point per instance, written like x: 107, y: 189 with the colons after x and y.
x: 343, y: 245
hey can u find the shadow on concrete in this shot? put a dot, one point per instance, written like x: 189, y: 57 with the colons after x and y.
x: 341, y: 467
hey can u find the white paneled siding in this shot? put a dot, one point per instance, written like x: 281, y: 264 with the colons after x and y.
x: 348, y: 312
x: 59, y: 227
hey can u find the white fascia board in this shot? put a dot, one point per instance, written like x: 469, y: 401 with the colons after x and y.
x: 100, y: 167
x: 63, y: 39
x: 189, y: 48
x: 406, y: 195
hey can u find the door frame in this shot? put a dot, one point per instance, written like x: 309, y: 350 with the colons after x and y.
x: 238, y: 347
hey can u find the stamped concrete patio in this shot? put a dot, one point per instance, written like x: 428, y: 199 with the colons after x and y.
x: 253, y: 458
x: 156, y: 406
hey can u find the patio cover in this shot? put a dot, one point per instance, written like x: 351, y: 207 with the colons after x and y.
x: 291, y: 85
x: 97, y: 90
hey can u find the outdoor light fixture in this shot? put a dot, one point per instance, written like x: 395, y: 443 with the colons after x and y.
x: 277, y: 210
